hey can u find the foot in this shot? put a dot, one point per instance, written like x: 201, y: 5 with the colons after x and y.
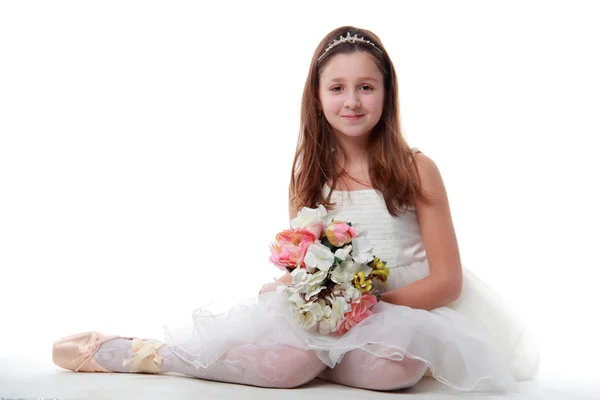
x: 95, y: 352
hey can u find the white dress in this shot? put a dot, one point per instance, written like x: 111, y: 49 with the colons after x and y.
x: 474, y: 343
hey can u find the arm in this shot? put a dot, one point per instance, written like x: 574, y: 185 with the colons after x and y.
x: 444, y: 283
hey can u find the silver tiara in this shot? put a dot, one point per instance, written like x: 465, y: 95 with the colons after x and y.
x: 349, y: 39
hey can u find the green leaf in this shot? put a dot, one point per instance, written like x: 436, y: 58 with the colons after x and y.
x: 331, y: 247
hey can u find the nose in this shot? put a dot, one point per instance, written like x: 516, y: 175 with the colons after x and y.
x: 352, y: 101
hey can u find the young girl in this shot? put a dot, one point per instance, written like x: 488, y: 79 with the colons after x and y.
x: 433, y: 317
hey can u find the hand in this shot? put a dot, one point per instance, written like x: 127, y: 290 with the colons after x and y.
x: 269, y: 287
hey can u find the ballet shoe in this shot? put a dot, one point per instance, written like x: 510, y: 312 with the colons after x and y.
x: 76, y: 353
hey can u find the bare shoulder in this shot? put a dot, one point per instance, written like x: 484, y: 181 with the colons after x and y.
x: 430, y: 177
x: 423, y: 160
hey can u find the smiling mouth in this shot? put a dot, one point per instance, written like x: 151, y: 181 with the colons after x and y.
x: 352, y: 117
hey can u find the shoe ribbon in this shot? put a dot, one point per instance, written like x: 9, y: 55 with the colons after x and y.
x: 145, y: 357
x: 90, y: 349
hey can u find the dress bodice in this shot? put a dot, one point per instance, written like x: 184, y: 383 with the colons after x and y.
x: 396, y: 240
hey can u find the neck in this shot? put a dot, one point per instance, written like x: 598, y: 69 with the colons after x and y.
x: 356, y: 151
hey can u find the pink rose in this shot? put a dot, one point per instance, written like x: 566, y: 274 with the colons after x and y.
x: 340, y: 233
x: 290, y: 248
x: 359, y: 311
x: 316, y: 229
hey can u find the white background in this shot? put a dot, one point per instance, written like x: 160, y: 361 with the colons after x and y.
x: 145, y: 152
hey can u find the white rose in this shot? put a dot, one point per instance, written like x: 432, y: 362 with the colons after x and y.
x: 296, y: 299
x: 344, y: 252
x: 355, y: 267
x: 318, y: 256
x: 348, y: 292
x: 310, y: 284
x: 310, y: 315
x: 309, y: 216
x: 345, y: 272
x: 339, y: 307
x: 332, y: 316
x: 362, y: 250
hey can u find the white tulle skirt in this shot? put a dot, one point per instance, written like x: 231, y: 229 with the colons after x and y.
x: 473, y: 344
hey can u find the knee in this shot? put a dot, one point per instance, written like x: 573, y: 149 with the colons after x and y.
x: 387, y: 374
x: 290, y: 368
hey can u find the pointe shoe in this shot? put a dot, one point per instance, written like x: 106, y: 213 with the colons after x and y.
x: 76, y: 352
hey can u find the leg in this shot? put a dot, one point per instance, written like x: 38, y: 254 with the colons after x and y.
x: 248, y: 364
x: 361, y: 369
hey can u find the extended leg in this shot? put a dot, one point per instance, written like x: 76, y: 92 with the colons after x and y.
x: 249, y: 364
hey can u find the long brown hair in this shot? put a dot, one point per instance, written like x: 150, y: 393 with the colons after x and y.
x: 390, y: 156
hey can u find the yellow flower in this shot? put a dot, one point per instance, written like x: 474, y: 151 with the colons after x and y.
x: 377, y: 263
x: 380, y: 271
x: 362, y: 283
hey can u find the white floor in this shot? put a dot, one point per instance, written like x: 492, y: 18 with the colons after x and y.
x: 36, y: 379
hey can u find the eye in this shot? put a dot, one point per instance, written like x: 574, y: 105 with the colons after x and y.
x: 366, y: 87
x: 336, y: 88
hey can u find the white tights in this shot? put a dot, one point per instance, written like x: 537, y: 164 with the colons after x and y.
x: 361, y: 369
x: 278, y: 367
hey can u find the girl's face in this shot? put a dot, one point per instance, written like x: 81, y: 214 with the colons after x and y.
x: 351, y: 91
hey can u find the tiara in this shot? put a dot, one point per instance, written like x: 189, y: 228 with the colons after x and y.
x: 349, y: 39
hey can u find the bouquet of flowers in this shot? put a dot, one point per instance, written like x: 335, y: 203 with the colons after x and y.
x: 332, y: 268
